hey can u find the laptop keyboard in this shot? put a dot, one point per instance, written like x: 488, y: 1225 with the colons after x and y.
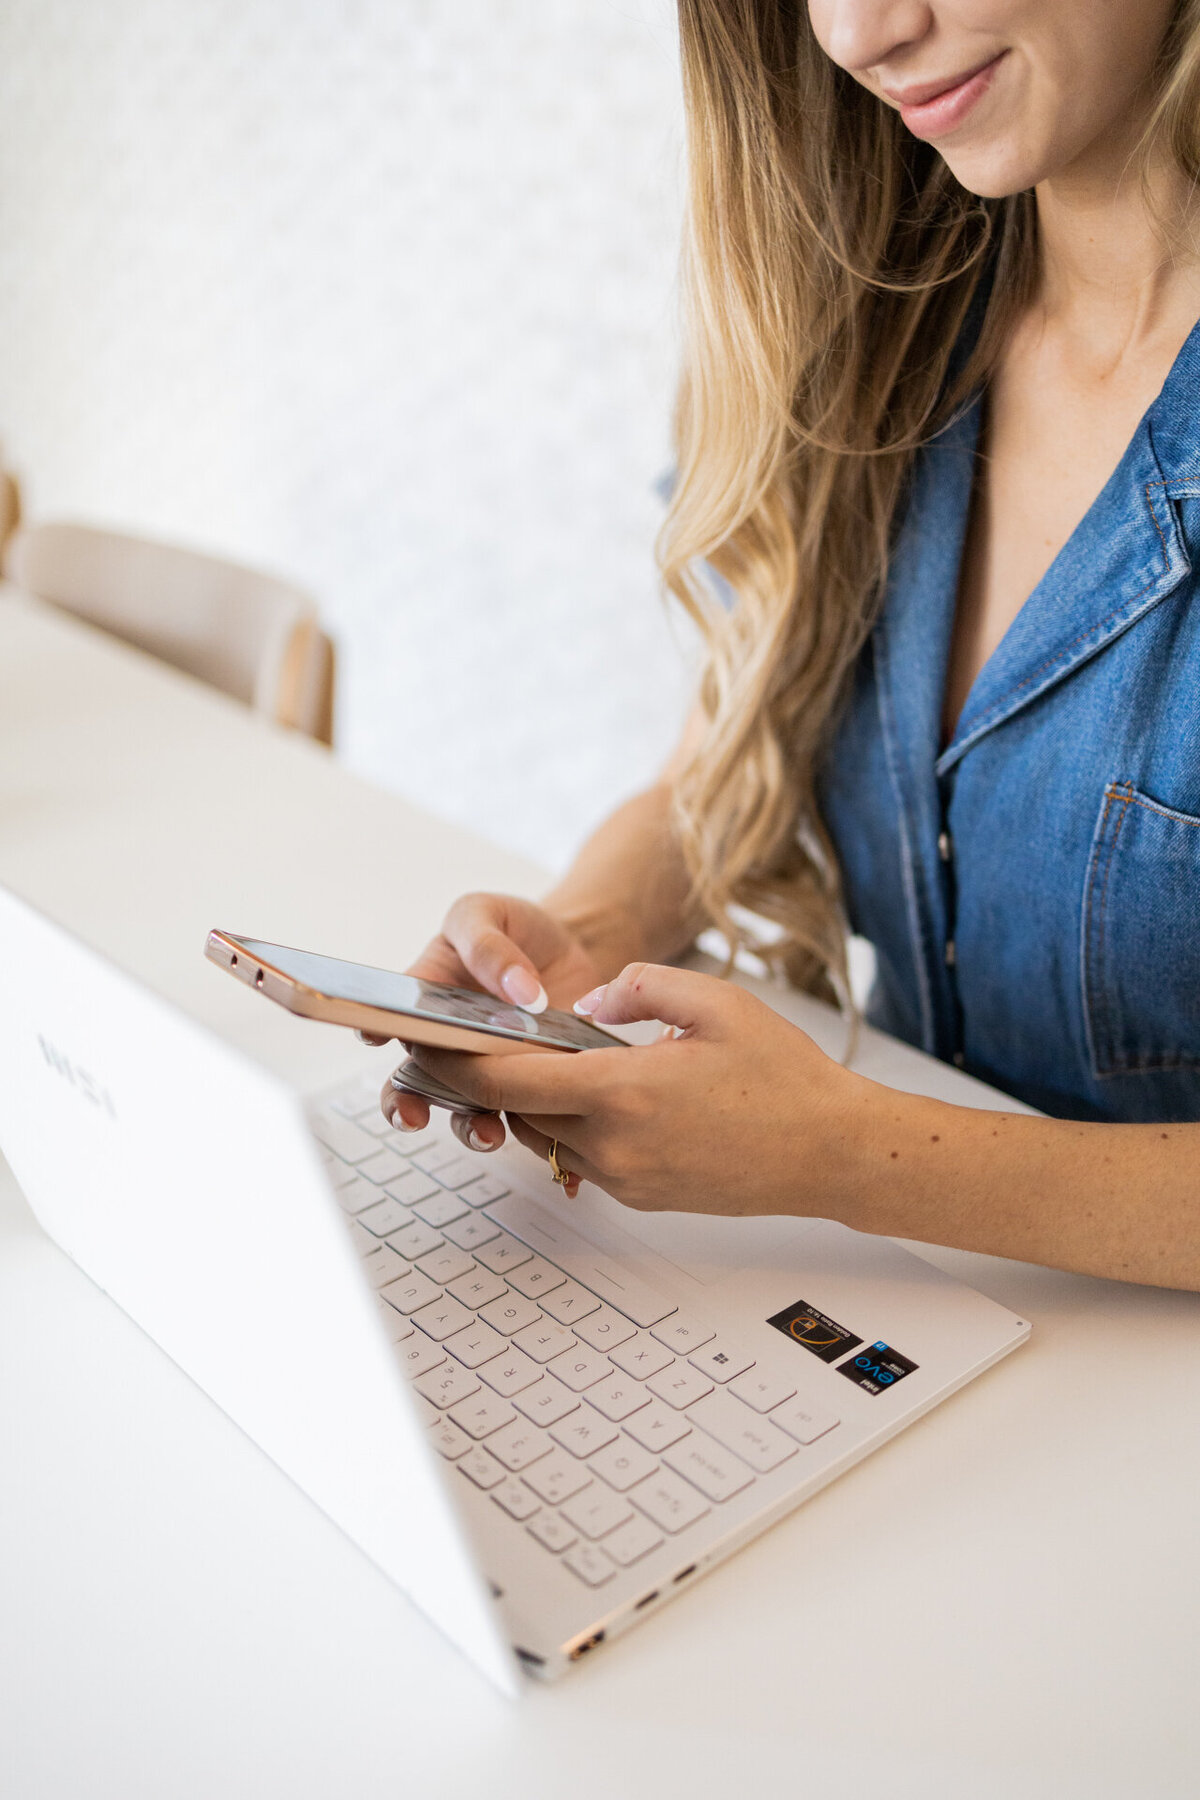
x: 595, y: 1414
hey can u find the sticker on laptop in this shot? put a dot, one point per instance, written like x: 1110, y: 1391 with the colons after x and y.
x: 805, y: 1325
x: 877, y: 1368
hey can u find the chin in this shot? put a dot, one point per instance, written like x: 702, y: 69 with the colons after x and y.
x: 994, y: 173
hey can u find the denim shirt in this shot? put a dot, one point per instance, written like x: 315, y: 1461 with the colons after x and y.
x: 1032, y: 890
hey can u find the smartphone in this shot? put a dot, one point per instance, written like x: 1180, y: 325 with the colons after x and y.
x: 392, y: 1005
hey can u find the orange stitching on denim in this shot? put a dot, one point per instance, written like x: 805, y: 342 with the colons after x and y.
x: 1164, y: 812
x: 1114, y: 794
x: 1097, y: 990
x: 1150, y: 505
x: 1066, y: 651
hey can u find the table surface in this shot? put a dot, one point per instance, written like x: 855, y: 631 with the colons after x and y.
x: 1004, y: 1600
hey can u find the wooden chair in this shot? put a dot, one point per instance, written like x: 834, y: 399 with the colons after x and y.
x: 246, y: 633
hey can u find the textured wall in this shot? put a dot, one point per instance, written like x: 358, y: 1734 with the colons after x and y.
x: 377, y: 294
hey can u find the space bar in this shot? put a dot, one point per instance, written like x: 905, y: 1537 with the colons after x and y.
x: 576, y: 1257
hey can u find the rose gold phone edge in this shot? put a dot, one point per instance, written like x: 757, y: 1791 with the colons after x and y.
x: 223, y: 949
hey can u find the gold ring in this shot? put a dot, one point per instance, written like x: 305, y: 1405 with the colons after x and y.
x: 561, y: 1175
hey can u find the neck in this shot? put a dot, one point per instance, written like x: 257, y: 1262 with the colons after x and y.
x: 1119, y: 248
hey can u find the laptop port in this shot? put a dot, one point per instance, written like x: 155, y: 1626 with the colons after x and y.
x: 684, y: 1573
x: 258, y: 979
x: 582, y: 1649
x: 646, y: 1599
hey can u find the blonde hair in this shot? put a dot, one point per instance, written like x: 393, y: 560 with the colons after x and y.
x: 830, y: 261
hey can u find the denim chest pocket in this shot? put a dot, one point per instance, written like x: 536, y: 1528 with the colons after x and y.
x: 1141, y: 936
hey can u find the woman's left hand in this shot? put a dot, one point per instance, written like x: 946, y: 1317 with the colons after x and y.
x: 739, y: 1113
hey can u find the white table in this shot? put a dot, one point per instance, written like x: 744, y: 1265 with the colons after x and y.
x: 1004, y: 1601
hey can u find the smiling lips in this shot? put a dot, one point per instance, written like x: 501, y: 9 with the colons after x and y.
x: 931, y: 109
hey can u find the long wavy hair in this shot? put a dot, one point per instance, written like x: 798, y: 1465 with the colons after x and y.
x: 830, y: 261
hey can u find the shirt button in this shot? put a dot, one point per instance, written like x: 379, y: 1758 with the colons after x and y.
x: 958, y: 1059
x: 951, y: 953
x: 945, y: 847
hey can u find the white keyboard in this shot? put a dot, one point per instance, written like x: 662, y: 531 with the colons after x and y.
x: 599, y: 1417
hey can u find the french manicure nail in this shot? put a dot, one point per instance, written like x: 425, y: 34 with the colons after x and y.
x: 524, y: 990
x: 590, y: 1003
x: 477, y: 1140
x: 401, y: 1123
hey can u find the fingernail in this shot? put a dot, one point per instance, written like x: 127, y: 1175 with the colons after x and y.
x: 524, y: 990
x: 590, y: 1002
x: 477, y: 1140
x: 400, y: 1123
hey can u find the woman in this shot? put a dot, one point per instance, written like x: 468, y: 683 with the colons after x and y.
x: 938, y: 433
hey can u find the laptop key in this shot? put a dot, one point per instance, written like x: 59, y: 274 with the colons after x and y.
x: 721, y: 1359
x: 509, y: 1372
x: 343, y: 1137
x: 621, y: 1464
x: 580, y: 1368
x: 516, y: 1499
x: 589, y: 1562
x: 804, y: 1421
x: 357, y: 1195
x: 476, y: 1288
x: 445, y: 1264
x: 761, y: 1389
x: 476, y: 1345
x: 546, y: 1401
x: 385, y: 1165
x: 504, y: 1253
x: 512, y: 1312
x: 708, y: 1466
x: 440, y: 1209
x: 641, y: 1356
x: 604, y: 1328
x: 740, y: 1429
x: 449, y: 1440
x: 535, y: 1277
x: 446, y: 1385
x: 672, y: 1503
x: 570, y: 1302
x: 519, y: 1444
x: 415, y: 1240
x: 656, y: 1426
x: 411, y: 1187
x: 680, y: 1386
x: 472, y: 1232
x: 397, y: 1326
x: 631, y: 1541
x: 384, y: 1265
x: 596, y: 1510
x: 682, y: 1333
x: 416, y: 1355
x: 481, y: 1414
x: 584, y: 1431
x: 412, y: 1291
x: 617, y: 1397
x: 426, y: 1413
x: 556, y: 1477
x: 364, y: 1241
x: 434, y: 1155
x: 550, y: 1529
x: 386, y: 1215
x: 483, y: 1190
x: 481, y: 1468
x: 544, y: 1340
x: 441, y: 1318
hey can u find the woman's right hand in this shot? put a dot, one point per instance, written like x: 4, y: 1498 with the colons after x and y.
x: 513, y: 949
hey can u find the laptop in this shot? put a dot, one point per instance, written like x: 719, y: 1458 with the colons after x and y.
x: 542, y: 1419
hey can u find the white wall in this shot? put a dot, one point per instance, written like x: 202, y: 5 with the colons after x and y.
x: 377, y: 294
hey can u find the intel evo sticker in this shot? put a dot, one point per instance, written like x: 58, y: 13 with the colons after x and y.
x: 877, y: 1368
x: 805, y: 1325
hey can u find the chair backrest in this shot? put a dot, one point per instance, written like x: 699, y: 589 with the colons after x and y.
x: 246, y: 633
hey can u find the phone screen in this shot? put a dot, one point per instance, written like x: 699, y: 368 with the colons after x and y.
x: 406, y: 994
